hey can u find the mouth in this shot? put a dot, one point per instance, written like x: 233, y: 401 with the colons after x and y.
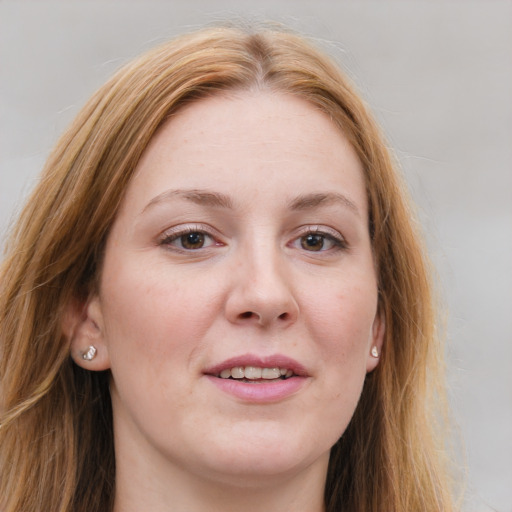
x: 256, y: 374
x: 257, y: 378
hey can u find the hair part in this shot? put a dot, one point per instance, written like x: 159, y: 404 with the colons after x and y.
x: 56, y: 437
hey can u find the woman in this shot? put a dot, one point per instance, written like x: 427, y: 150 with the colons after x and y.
x: 215, y: 298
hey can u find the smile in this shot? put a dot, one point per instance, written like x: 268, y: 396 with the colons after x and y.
x: 255, y: 374
x: 258, y: 380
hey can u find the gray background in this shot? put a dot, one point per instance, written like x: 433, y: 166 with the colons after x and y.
x: 439, y: 78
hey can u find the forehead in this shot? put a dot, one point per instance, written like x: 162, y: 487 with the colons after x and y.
x: 259, y: 140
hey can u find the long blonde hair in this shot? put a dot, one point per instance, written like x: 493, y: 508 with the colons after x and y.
x: 56, y: 441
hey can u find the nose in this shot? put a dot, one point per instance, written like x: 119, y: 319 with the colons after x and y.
x: 262, y: 292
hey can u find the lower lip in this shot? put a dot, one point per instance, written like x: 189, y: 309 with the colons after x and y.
x: 260, y: 392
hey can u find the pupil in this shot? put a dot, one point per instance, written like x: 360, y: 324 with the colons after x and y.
x: 313, y: 242
x: 192, y: 240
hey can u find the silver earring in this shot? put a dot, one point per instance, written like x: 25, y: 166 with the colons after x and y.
x: 375, y: 352
x: 89, y: 354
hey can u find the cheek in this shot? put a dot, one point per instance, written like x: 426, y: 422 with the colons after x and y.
x: 341, y: 323
x: 154, y: 323
x: 151, y: 315
x: 342, y: 320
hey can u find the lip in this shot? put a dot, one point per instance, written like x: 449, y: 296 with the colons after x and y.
x: 264, y: 392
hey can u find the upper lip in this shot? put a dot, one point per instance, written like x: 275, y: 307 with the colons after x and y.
x: 273, y: 361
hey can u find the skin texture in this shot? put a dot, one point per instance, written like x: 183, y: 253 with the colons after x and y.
x: 251, y: 170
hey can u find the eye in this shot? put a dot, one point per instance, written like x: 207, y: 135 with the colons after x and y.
x: 190, y: 239
x: 193, y: 240
x: 313, y: 242
x: 320, y: 241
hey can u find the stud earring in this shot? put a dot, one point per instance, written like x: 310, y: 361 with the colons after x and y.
x: 89, y: 354
x: 375, y: 352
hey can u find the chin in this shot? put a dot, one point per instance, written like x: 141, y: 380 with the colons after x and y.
x: 270, y: 469
x: 264, y: 452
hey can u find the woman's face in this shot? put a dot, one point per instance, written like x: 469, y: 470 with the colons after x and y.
x: 238, y: 298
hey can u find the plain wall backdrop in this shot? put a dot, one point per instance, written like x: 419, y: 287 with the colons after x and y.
x: 438, y: 76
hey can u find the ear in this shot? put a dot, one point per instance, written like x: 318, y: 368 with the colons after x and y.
x: 83, y: 326
x: 376, y: 342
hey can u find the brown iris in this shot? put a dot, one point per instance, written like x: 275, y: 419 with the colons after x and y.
x: 194, y: 240
x: 312, y: 242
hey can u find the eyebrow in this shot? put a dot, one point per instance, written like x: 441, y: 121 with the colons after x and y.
x: 309, y: 201
x: 219, y: 200
x: 201, y: 197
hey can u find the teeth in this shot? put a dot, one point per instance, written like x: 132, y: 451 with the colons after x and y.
x: 225, y: 374
x: 237, y: 372
x: 270, y: 373
x: 255, y: 373
x: 252, y: 373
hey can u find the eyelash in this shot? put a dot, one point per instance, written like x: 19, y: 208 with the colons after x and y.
x: 336, y: 239
x: 173, y: 236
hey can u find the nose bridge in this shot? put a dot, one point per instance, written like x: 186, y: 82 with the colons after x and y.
x: 262, y: 286
x: 265, y: 269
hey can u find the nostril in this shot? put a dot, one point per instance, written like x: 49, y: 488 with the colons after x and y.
x: 264, y: 317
